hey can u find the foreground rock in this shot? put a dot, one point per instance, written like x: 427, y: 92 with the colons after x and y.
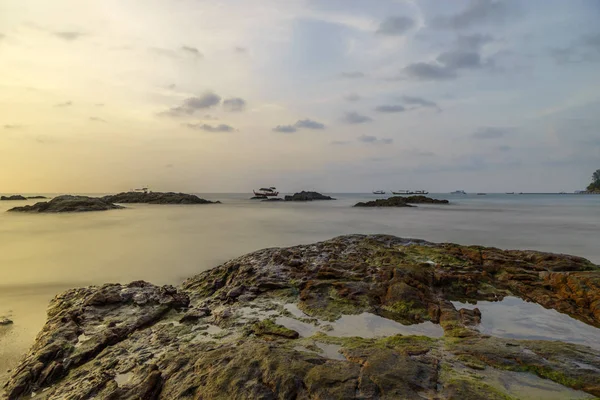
x: 67, y: 203
x: 307, y: 196
x: 14, y: 197
x: 156, y: 198
x: 265, y: 326
x: 400, y: 201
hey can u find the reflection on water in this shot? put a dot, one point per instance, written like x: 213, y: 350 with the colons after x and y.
x: 518, y: 319
x: 41, y: 255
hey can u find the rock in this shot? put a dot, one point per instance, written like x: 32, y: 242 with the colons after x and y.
x: 396, y: 201
x: 420, y: 199
x: 258, y: 198
x: 14, y: 197
x: 5, y: 321
x: 68, y: 203
x: 273, y: 199
x: 119, y: 341
x: 156, y: 198
x: 37, y: 197
x: 307, y: 196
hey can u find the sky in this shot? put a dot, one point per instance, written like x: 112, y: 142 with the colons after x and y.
x: 327, y: 95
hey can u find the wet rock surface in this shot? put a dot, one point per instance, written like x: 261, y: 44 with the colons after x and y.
x: 156, y: 198
x: 307, y: 196
x: 14, y: 197
x: 400, y: 201
x: 67, y: 203
x: 234, y: 332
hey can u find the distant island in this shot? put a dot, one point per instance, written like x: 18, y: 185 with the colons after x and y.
x: 399, y: 201
x: 307, y: 196
x: 68, y: 204
x: 594, y: 187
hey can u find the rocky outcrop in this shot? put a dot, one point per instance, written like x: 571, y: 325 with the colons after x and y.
x: 307, y: 196
x: 36, y: 197
x: 156, y: 198
x: 67, y: 203
x: 266, y: 325
x: 14, y: 197
x: 400, y: 201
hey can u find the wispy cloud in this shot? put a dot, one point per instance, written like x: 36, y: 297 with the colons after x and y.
x: 9, y: 126
x: 353, y: 117
x: 352, y: 97
x: 396, y: 25
x: 419, y: 101
x: 352, y: 75
x: 390, y: 108
x: 340, y: 142
x: 211, y: 128
x: 368, y: 139
x: 491, y: 132
x: 285, y: 129
x: 309, y: 124
x: 235, y: 104
x: 192, y: 51
x: 69, y: 35
x: 96, y: 119
x: 193, y: 104
x: 65, y: 104
x: 477, y: 12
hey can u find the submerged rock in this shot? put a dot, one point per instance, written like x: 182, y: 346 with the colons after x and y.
x: 266, y: 325
x: 68, y: 203
x: 395, y: 201
x: 156, y: 198
x: 400, y: 201
x: 14, y: 197
x: 307, y: 196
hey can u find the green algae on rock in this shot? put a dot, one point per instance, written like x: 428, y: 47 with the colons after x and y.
x: 228, y: 333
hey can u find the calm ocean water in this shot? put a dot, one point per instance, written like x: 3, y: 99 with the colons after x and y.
x: 41, y: 255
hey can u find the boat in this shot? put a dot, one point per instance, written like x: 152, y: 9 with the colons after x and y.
x: 266, y: 192
x: 144, y: 190
x: 410, y: 192
x: 458, y: 192
x: 378, y: 191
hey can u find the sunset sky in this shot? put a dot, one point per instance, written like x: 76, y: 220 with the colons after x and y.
x: 328, y: 95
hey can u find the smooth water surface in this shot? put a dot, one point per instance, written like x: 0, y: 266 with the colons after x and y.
x: 41, y: 255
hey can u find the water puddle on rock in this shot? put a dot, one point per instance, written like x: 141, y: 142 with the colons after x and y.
x: 365, y: 325
x: 528, y: 386
x: 517, y: 319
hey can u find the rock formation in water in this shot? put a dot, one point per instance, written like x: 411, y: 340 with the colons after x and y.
x: 156, y: 198
x: 68, y: 203
x: 14, y: 197
x: 307, y: 196
x: 400, y: 201
x: 263, y: 326
x: 36, y: 197
x: 273, y: 199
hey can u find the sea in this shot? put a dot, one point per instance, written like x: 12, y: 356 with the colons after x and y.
x: 42, y: 255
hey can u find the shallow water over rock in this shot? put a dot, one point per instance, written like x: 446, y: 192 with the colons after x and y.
x: 518, y: 319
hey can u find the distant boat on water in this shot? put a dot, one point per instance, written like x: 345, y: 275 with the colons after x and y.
x: 266, y: 192
x: 458, y: 192
x: 378, y: 191
x: 410, y: 192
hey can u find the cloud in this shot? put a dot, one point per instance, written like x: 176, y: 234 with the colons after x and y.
x: 504, y: 148
x: 491, y: 132
x: 352, y: 97
x: 192, y: 50
x: 458, y: 59
x: 473, y: 42
x: 396, y: 25
x: 285, y: 129
x: 2, y: 36
x: 340, y: 142
x: 584, y: 49
x: 391, y: 108
x: 419, y: 101
x: 65, y: 104
x: 69, y: 35
x: 193, y: 104
x: 8, y: 126
x: 429, y: 72
x: 96, y: 119
x: 355, y: 118
x: 477, y: 12
x: 211, y: 128
x: 99, y: 104
x: 352, y: 75
x: 234, y: 104
x: 374, y: 140
x: 309, y: 124
x: 240, y: 50
x: 169, y: 165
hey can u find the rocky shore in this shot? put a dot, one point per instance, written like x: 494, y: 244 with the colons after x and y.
x: 400, y: 201
x: 270, y: 325
x: 156, y: 198
x: 68, y: 204
x: 307, y: 196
